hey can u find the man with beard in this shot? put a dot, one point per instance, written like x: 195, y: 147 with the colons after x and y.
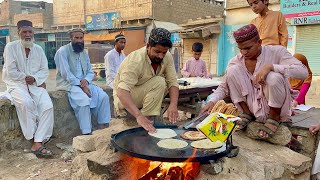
x: 144, y: 78
x: 257, y: 82
x: 25, y: 71
x: 75, y: 75
x: 114, y: 58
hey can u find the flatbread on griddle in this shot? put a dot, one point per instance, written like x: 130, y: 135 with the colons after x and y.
x: 192, y: 135
x: 206, y: 144
x: 164, y: 133
x: 172, y: 144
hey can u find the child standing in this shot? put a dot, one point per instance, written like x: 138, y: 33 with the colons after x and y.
x: 271, y: 25
x: 195, y: 67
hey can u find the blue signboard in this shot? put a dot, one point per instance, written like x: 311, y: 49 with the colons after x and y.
x: 4, y: 32
x: 175, y: 38
x: 109, y: 20
x: 300, y: 8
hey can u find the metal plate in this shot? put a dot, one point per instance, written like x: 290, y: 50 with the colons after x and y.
x: 138, y: 143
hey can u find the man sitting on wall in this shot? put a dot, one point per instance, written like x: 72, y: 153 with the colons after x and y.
x: 25, y: 71
x: 257, y: 82
x: 75, y: 75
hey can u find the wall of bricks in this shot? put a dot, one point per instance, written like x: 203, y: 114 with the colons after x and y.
x: 37, y: 19
x: 179, y: 11
x: 176, y: 11
x: 68, y: 12
x: 9, y: 9
x: 71, y: 12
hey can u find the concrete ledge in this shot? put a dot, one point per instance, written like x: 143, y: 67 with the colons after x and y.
x: 65, y: 122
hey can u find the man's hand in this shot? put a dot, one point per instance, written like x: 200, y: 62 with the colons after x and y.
x: 83, y: 83
x: 86, y: 90
x: 294, y: 103
x: 314, y: 129
x: 262, y: 74
x: 173, y: 113
x: 146, y: 123
x: 30, y: 80
x: 43, y: 85
x: 207, y: 108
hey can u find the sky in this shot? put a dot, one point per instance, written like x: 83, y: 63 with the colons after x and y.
x: 34, y: 0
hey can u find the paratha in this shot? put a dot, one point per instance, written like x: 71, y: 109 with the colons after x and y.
x: 164, y: 133
x: 172, y: 144
x: 192, y: 135
x: 206, y: 144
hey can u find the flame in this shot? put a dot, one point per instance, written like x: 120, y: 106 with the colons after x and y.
x: 139, y: 167
x: 187, y: 166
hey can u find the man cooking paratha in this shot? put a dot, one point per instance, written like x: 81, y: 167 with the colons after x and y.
x: 143, y: 79
x: 257, y: 82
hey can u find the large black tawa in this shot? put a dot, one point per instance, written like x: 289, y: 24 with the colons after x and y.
x: 138, y: 143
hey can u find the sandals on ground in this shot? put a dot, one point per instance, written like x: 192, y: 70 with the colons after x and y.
x: 46, y: 154
x: 244, y: 123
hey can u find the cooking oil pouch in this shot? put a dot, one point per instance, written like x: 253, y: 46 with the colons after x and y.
x: 218, y: 126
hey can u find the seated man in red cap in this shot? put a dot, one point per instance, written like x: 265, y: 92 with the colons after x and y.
x: 257, y: 82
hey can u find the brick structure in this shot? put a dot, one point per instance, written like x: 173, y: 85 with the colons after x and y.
x: 176, y: 11
x: 179, y: 11
x: 40, y: 13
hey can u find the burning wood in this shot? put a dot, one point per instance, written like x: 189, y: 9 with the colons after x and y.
x: 171, y: 171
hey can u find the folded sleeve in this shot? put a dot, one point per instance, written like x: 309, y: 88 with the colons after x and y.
x: 289, y: 66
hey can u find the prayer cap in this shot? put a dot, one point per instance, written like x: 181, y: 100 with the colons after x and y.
x: 24, y: 23
x: 159, y: 34
x: 119, y: 36
x: 76, y: 30
x: 245, y: 33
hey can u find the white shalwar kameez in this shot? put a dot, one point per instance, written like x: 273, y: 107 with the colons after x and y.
x: 33, y: 104
x: 83, y: 106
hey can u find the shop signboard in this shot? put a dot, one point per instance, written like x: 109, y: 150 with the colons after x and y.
x: 300, y: 8
x: 4, y: 32
x: 301, y: 11
x: 110, y: 20
x: 306, y: 20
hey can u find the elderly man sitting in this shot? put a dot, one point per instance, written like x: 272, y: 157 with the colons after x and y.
x: 25, y: 71
x: 257, y: 82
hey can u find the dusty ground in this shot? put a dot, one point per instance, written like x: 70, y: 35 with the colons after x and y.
x: 21, y: 165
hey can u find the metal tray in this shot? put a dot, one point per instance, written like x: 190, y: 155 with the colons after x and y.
x: 138, y: 143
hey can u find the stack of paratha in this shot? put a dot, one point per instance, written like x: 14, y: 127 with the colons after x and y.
x: 225, y: 108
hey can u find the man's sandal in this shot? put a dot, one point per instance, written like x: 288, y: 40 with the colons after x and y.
x: 269, y: 127
x: 245, y: 120
x: 46, y: 154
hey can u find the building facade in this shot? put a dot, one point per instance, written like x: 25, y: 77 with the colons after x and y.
x: 40, y: 13
x: 103, y: 19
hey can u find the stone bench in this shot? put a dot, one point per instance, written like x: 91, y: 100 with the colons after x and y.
x: 65, y: 124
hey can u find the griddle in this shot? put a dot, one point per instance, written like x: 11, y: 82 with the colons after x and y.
x: 138, y: 143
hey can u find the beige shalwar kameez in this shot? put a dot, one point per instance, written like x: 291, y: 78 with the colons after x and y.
x: 146, y: 87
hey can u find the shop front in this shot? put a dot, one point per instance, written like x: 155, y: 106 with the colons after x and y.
x: 304, y: 16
